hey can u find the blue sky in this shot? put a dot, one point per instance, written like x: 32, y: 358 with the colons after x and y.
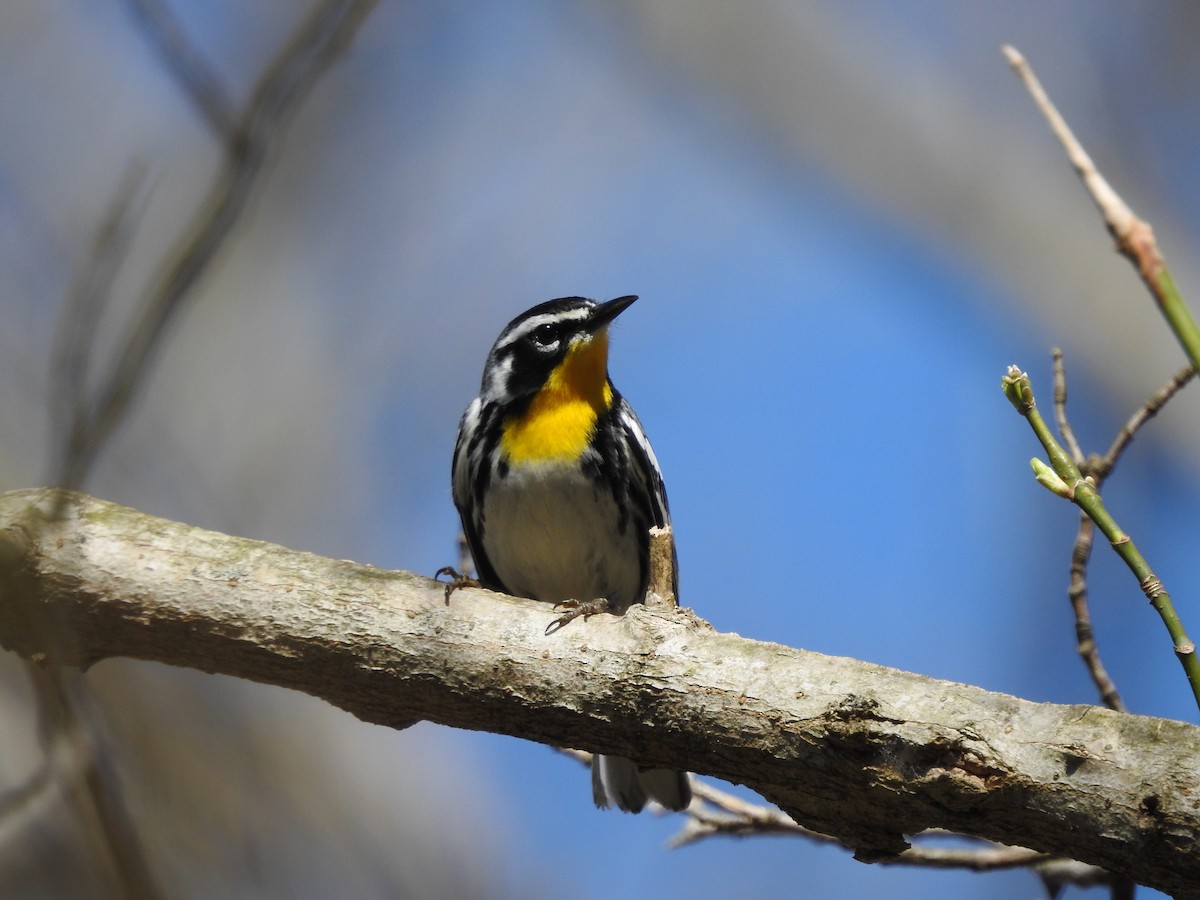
x: 827, y: 306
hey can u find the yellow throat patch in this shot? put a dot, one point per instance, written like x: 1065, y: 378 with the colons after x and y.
x: 558, y: 423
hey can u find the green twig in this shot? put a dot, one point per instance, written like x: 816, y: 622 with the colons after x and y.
x: 1063, y: 477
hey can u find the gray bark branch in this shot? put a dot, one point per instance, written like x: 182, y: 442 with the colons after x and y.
x: 851, y: 749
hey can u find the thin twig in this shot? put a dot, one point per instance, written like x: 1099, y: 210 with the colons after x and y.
x: 68, y: 735
x: 732, y: 816
x: 1060, y: 407
x: 284, y: 85
x: 1134, y: 237
x: 86, y: 300
x: 1081, y: 552
x: 1144, y: 414
x: 722, y: 814
x: 1085, y: 635
x: 729, y: 815
x: 184, y: 61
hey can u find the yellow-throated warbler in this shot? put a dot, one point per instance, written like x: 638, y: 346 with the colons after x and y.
x: 557, y: 488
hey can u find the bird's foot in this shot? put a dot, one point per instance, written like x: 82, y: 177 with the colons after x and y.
x: 575, y: 609
x: 457, y: 580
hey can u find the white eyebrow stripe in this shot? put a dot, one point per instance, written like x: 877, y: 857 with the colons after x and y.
x: 533, y: 322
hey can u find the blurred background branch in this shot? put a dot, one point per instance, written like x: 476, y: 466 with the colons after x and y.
x: 93, y: 400
x: 183, y: 59
x: 283, y: 86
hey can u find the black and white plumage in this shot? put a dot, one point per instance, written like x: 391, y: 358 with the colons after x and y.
x: 558, y: 487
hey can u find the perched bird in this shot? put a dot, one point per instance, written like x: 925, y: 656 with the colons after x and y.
x: 557, y: 488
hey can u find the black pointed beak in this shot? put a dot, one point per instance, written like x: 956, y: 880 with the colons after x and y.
x: 609, y: 310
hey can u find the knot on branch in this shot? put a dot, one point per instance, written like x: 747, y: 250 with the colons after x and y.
x: 1151, y: 587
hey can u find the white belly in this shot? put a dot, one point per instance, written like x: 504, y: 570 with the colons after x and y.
x: 540, y: 528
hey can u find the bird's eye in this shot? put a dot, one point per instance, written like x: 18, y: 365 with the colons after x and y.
x: 545, y: 335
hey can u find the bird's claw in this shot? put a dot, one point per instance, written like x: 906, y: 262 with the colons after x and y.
x: 457, y: 580
x: 575, y: 609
